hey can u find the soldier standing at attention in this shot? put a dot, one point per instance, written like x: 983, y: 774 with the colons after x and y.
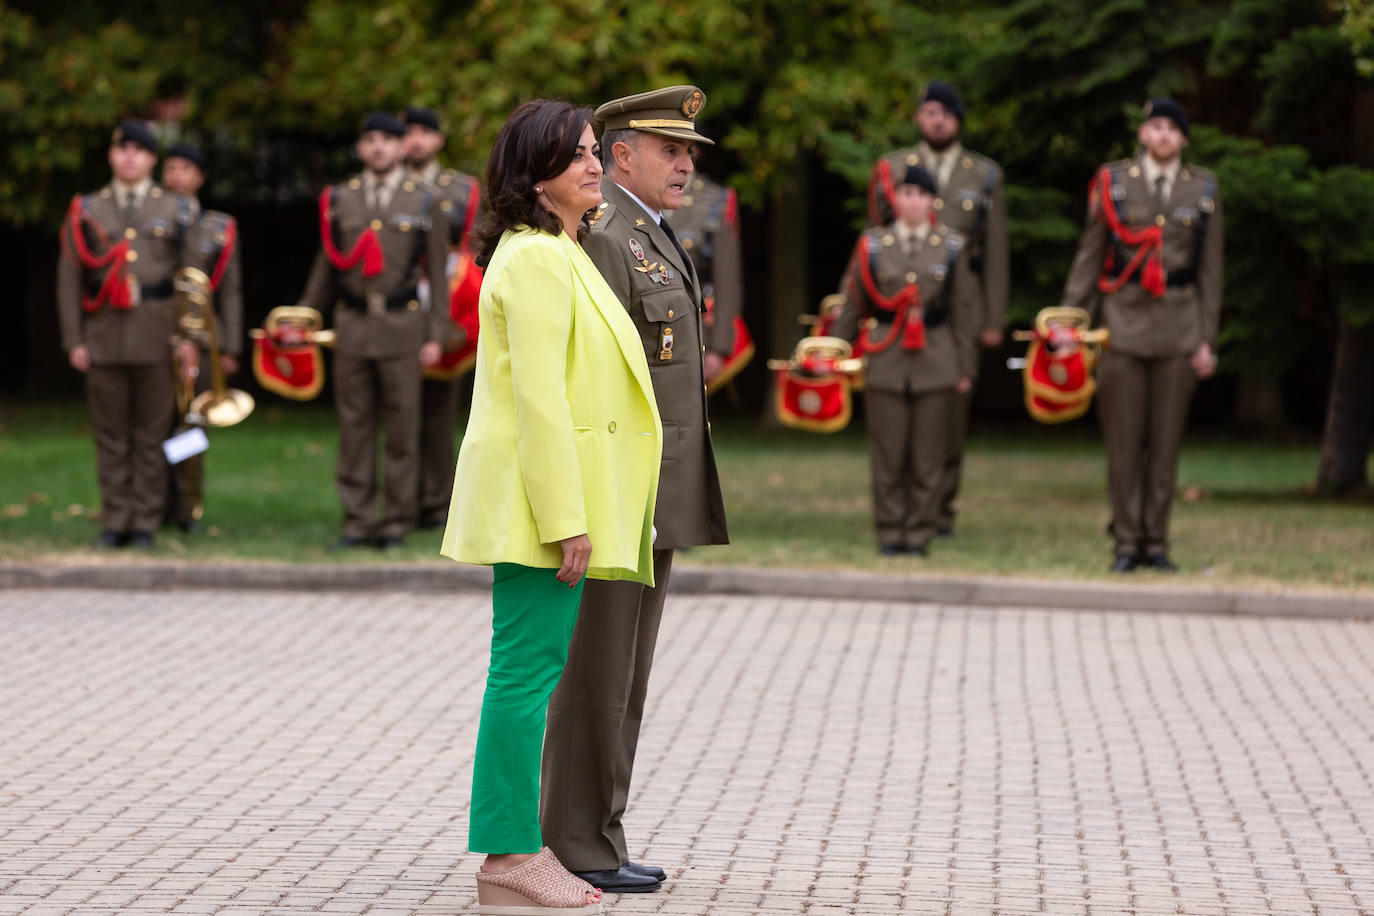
x: 596, y: 710
x: 121, y: 246
x: 971, y: 201
x: 379, y: 233
x: 910, y: 293
x: 707, y: 225
x: 1150, y: 264
x: 457, y: 196
x: 212, y: 246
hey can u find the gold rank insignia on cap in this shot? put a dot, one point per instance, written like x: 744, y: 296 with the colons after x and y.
x: 670, y: 111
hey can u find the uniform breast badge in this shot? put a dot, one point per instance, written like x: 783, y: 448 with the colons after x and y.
x: 665, y: 343
x: 656, y: 272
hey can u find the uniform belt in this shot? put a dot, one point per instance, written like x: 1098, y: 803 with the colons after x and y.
x: 163, y: 290
x: 398, y: 299
x: 1175, y: 278
x: 932, y: 318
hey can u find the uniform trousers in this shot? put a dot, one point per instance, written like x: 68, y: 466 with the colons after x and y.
x: 952, y: 474
x: 594, y: 720
x: 440, y: 402
x: 532, y: 618
x: 906, y: 444
x: 1143, y: 404
x: 369, y: 393
x: 129, y: 408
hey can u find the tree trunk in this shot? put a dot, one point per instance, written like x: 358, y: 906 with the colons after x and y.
x: 788, y: 268
x: 1259, y: 403
x: 1349, y: 412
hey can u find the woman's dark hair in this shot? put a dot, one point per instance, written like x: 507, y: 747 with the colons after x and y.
x: 537, y: 142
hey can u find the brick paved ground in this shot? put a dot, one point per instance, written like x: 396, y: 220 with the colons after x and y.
x: 238, y: 752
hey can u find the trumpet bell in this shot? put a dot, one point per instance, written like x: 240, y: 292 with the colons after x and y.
x: 228, y: 409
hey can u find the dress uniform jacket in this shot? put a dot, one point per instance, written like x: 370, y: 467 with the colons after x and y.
x: 564, y: 437
x: 379, y: 317
x: 454, y: 191
x: 705, y: 227
x: 973, y: 203
x: 206, y: 241
x: 1190, y: 311
x: 940, y: 268
x: 662, y: 293
x: 140, y: 335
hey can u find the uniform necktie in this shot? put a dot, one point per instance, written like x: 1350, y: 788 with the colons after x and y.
x: 1159, y: 194
x: 668, y: 231
x: 129, y: 208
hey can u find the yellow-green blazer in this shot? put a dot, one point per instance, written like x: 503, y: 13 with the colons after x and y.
x: 564, y: 437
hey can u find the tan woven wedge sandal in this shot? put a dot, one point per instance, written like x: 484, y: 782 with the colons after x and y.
x: 540, y: 886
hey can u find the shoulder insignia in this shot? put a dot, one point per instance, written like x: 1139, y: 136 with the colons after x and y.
x: 889, y: 240
x: 872, y: 244
x: 106, y: 192
x: 912, y: 159
x: 954, y: 241
x: 354, y: 184
x: 1207, y: 205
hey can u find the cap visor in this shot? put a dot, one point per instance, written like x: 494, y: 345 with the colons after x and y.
x: 678, y: 134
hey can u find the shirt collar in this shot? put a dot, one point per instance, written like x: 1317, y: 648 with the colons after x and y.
x: 429, y: 173
x: 904, y: 232
x: 139, y: 190
x: 1154, y: 170
x: 391, y: 181
x: 658, y: 217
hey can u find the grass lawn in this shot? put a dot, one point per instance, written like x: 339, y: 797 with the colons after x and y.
x: 1034, y: 504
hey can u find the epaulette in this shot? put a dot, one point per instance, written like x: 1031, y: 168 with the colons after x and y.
x: 1200, y: 172
x: 601, y: 216
x: 952, y: 239
x: 1118, y: 165
x: 878, y: 237
x: 909, y: 155
x: 981, y: 162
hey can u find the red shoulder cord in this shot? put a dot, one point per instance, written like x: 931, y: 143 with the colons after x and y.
x: 881, y: 177
x: 469, y: 218
x: 908, y: 298
x: 1149, y: 242
x: 367, y: 249
x: 231, y: 236
x: 114, y: 291
x: 732, y: 210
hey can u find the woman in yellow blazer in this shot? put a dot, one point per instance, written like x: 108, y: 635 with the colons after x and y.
x: 556, y: 479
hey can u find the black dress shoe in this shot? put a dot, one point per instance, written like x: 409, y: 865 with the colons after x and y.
x: 142, y: 540
x: 620, y: 881
x: 1124, y: 563
x: 348, y: 542
x: 892, y: 550
x: 1160, y: 563
x: 109, y: 540
x: 391, y: 542
x: 945, y: 531
x: 190, y: 526
x: 649, y: 871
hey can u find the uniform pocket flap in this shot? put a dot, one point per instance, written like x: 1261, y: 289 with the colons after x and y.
x: 665, y: 305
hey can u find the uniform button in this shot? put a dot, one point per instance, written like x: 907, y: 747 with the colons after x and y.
x: 158, y: 231
x: 939, y: 204
x: 703, y: 348
x: 377, y: 224
x: 130, y: 233
x: 911, y: 276
x: 708, y: 426
x: 412, y: 305
x: 967, y: 204
x: 670, y: 313
x: 131, y: 256
x: 610, y: 427
x: 1159, y: 220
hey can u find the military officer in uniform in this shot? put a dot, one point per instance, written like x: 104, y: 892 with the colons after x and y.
x: 595, y: 714
x: 970, y: 199
x: 212, y: 246
x: 457, y: 196
x: 1150, y: 265
x: 707, y: 226
x: 380, y: 232
x: 910, y: 292
x: 121, y: 246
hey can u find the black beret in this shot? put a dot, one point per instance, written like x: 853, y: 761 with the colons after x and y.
x: 919, y: 177
x: 1167, y: 108
x: 384, y: 121
x: 136, y: 132
x: 425, y: 117
x: 188, y: 152
x: 944, y: 94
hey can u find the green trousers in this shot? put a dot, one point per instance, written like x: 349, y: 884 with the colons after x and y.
x: 533, y: 615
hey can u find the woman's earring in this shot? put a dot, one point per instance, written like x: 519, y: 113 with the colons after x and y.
x: 538, y: 190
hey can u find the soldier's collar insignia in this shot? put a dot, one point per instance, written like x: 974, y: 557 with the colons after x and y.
x: 639, y: 221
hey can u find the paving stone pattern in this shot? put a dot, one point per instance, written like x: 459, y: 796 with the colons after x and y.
x: 238, y: 752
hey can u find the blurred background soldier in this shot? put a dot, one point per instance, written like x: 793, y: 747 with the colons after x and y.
x: 971, y: 201
x: 212, y: 246
x: 445, y: 387
x: 911, y: 298
x: 707, y: 226
x: 121, y: 246
x: 379, y: 233
x: 1150, y: 264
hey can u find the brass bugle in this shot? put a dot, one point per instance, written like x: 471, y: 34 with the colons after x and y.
x: 220, y: 406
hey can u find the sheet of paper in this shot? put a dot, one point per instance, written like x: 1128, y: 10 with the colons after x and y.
x: 185, y: 445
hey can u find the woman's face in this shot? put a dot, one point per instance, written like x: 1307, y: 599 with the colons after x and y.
x: 578, y: 188
x: 912, y: 204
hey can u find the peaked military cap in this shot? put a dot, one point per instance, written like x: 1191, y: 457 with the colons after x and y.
x: 384, y: 121
x: 1167, y: 108
x: 425, y: 117
x: 135, y: 132
x: 187, y: 151
x: 919, y: 177
x: 946, y: 95
x: 671, y: 111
